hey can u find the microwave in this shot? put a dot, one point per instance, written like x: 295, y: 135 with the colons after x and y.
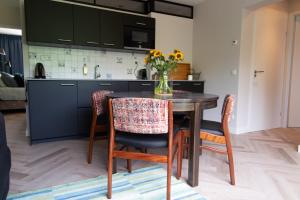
x: 138, y: 38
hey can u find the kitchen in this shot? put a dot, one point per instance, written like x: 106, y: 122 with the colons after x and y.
x: 73, y: 48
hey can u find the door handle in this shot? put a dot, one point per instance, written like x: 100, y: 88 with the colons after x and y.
x: 105, y: 84
x: 91, y: 42
x: 146, y: 84
x: 176, y: 84
x: 109, y: 44
x: 141, y: 23
x: 257, y: 71
x: 64, y: 40
x: 67, y: 84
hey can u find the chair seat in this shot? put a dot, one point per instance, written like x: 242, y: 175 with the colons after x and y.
x: 212, y: 127
x: 143, y: 140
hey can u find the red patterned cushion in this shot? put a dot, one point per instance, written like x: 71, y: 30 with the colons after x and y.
x: 99, y: 100
x: 140, y: 115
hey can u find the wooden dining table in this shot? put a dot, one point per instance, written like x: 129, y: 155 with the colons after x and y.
x: 185, y: 102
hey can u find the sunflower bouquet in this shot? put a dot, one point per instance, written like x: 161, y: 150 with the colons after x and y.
x: 163, y: 65
x: 155, y: 59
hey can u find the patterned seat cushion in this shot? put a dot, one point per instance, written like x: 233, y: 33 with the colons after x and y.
x: 140, y: 115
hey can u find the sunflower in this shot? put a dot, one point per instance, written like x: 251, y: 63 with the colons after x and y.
x: 152, y: 52
x: 172, y: 56
x: 179, y: 56
x: 146, y: 60
x: 157, y: 54
x: 177, y: 51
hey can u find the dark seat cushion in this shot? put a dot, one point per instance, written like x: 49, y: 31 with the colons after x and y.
x: 212, y: 127
x: 144, y: 140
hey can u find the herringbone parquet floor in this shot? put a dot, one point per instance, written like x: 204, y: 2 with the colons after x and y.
x: 267, y: 164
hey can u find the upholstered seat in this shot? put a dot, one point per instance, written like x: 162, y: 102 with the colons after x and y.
x: 212, y: 127
x: 144, y: 140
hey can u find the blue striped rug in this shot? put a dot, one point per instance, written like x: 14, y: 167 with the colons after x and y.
x: 147, y: 183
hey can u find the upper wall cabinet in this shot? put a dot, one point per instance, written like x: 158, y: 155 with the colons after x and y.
x: 139, y: 21
x: 49, y: 22
x: 111, y: 29
x: 86, y: 26
x: 54, y: 23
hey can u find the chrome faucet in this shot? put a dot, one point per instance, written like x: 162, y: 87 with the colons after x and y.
x: 97, y: 72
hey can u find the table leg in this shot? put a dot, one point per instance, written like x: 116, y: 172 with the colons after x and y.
x: 194, y: 147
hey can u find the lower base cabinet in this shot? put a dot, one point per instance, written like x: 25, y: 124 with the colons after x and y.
x: 52, y: 109
x: 60, y: 109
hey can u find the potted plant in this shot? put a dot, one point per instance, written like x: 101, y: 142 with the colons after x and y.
x: 163, y: 65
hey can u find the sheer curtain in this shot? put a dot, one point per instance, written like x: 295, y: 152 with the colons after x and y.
x: 13, y: 48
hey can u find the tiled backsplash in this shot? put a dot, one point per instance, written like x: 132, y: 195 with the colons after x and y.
x: 68, y: 63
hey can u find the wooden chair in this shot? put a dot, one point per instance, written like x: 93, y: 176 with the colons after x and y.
x: 219, y: 133
x: 99, y: 105
x: 143, y: 123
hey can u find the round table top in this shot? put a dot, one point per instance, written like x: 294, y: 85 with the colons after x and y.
x: 177, y: 97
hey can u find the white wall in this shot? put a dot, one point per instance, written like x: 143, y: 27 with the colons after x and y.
x: 216, y: 24
x: 174, y: 32
x: 10, y: 14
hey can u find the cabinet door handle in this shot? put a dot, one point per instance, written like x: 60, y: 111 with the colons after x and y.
x: 67, y: 84
x: 109, y: 44
x: 197, y: 84
x: 141, y: 23
x: 105, y: 84
x: 91, y: 42
x: 64, y: 40
x: 176, y: 84
x: 146, y: 84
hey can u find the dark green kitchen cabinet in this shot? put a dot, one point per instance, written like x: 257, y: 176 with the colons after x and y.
x: 86, y: 26
x: 111, y: 32
x: 49, y: 22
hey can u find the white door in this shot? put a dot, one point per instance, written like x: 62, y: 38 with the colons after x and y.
x: 294, y: 106
x: 266, y: 88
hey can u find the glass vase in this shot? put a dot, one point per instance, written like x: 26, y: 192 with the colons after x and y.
x: 162, y: 85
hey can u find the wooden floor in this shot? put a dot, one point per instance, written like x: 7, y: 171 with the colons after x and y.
x: 267, y: 164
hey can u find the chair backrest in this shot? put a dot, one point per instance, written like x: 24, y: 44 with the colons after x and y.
x: 99, y: 101
x: 140, y: 115
x: 227, y: 109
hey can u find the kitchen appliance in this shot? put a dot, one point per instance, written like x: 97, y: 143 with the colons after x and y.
x: 139, y: 38
x: 39, y: 71
x: 142, y: 74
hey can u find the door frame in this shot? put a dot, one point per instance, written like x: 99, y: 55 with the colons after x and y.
x: 288, y: 67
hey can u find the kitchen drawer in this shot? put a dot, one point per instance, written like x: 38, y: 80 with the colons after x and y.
x: 137, y: 86
x: 86, y: 88
x: 192, y: 86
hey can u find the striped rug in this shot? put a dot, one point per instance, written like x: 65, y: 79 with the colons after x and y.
x: 142, y: 184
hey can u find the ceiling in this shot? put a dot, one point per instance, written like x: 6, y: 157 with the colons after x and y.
x: 188, y: 2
